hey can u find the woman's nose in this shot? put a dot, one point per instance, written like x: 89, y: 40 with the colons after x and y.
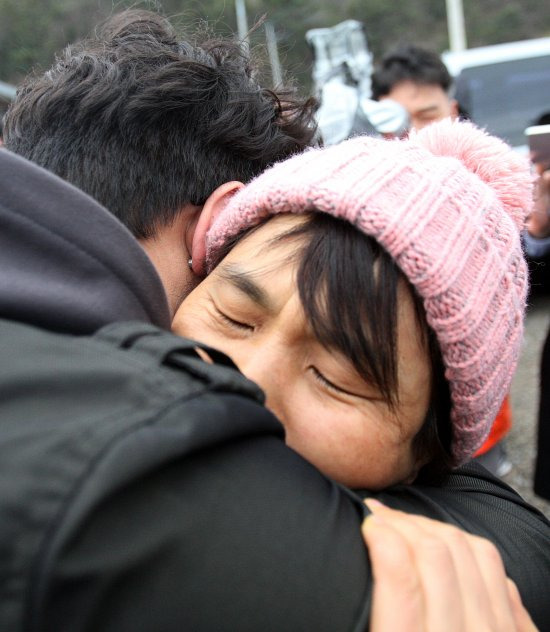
x: 266, y: 368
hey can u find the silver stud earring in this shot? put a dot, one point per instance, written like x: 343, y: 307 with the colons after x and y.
x: 190, y: 263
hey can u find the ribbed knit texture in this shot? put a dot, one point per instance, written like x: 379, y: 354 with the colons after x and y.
x: 448, y: 205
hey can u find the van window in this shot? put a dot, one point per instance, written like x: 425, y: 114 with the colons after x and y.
x: 506, y: 97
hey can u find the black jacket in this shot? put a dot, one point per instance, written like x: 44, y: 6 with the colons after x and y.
x: 144, y: 490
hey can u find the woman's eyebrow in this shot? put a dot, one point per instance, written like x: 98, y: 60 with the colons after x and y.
x: 246, y: 284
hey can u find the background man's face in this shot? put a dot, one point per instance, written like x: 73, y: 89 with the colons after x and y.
x: 425, y: 103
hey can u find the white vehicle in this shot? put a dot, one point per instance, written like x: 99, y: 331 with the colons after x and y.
x: 505, y: 87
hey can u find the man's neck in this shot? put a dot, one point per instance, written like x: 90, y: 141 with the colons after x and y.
x: 169, y: 251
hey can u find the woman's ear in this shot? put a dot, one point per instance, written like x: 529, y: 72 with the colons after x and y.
x: 413, y: 475
x: 216, y: 202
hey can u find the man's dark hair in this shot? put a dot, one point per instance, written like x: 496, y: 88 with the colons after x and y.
x: 409, y: 63
x: 146, y: 123
x: 348, y: 287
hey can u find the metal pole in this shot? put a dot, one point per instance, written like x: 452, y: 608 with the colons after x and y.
x: 242, y: 22
x: 455, y: 23
x: 273, y: 53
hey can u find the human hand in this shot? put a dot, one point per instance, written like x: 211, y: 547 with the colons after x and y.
x: 430, y: 576
x: 538, y: 223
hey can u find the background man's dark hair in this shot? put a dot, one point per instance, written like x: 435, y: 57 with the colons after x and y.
x: 146, y: 123
x: 409, y: 63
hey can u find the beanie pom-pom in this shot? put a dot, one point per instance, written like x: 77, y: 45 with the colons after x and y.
x: 491, y: 159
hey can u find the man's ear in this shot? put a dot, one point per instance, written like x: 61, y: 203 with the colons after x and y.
x: 213, y: 206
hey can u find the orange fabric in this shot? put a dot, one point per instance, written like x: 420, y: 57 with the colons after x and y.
x: 500, y: 428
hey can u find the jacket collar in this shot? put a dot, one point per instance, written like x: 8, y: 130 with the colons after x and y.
x: 66, y: 263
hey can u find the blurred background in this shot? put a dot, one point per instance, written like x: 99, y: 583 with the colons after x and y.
x: 31, y: 31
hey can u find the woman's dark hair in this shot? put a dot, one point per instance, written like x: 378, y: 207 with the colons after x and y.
x: 348, y: 288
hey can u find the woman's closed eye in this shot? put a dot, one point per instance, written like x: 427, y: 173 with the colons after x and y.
x: 339, y: 390
x: 231, y: 322
x: 328, y: 384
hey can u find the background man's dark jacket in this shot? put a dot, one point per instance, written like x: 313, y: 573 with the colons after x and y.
x: 144, y: 490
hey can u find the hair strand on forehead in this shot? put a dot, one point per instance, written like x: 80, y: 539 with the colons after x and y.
x: 350, y: 288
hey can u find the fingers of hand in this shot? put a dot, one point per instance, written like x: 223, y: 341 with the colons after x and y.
x: 462, y: 576
x: 494, y: 580
x: 398, y: 593
x: 523, y: 620
x: 435, y: 565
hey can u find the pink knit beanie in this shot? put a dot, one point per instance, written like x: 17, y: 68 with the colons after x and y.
x: 447, y: 204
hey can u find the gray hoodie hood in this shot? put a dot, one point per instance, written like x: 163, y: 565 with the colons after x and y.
x: 66, y: 263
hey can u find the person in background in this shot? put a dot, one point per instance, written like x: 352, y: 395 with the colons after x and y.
x: 418, y: 80
x: 542, y: 464
x: 537, y: 248
x: 537, y: 234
